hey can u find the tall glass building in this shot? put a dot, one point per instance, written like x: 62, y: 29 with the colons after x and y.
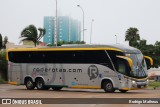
x: 48, y: 25
x: 68, y: 29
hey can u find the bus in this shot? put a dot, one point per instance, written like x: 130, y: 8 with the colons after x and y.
x: 108, y: 67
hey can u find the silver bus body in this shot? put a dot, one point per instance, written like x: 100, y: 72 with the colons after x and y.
x: 86, y: 66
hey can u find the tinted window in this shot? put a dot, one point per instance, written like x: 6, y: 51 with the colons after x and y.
x: 95, y: 57
x: 121, y: 68
x: 99, y: 57
x: 113, y: 56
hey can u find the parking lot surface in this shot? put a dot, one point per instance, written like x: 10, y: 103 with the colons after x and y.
x: 14, y: 91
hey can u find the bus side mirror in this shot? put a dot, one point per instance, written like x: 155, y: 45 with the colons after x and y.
x: 127, y: 61
x: 149, y: 61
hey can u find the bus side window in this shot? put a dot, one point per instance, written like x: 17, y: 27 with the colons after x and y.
x: 121, y: 67
x: 98, y: 57
x: 78, y: 56
x: 112, y: 55
x: 11, y: 56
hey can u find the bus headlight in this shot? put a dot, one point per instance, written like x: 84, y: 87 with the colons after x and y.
x: 147, y: 81
x: 133, y: 82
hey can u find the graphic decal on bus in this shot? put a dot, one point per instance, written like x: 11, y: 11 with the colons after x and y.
x: 56, y: 70
x: 93, y: 72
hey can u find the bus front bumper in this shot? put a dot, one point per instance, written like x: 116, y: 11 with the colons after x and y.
x: 140, y: 84
x: 134, y: 85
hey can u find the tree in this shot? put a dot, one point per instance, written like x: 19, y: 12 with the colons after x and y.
x: 132, y: 36
x: 156, y: 54
x: 31, y: 33
x: 1, y: 41
x: 142, y: 44
x: 5, y: 42
x: 152, y: 51
x: 157, y: 44
x: 41, y: 34
x: 3, y: 63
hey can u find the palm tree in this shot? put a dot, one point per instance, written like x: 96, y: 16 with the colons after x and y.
x: 41, y: 34
x: 132, y: 36
x: 31, y: 33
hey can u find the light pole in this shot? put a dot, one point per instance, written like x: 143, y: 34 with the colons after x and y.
x: 55, y: 27
x: 83, y: 19
x: 116, y: 38
x: 82, y: 31
x: 91, y: 31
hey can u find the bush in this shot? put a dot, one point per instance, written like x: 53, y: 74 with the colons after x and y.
x: 154, y: 84
x: 3, y: 65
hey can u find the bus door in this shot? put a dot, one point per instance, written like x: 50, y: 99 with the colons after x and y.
x: 124, y: 67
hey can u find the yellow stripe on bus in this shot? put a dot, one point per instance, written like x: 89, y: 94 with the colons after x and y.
x: 86, y: 87
x: 133, y: 88
x: 61, y: 49
x: 13, y: 83
x: 58, y: 49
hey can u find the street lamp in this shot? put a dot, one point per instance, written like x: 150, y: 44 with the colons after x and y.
x: 82, y: 31
x: 91, y: 31
x: 55, y: 27
x: 116, y: 38
x: 83, y: 19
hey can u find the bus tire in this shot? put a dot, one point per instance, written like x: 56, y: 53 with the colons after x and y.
x: 123, y: 91
x: 30, y: 85
x: 57, y: 88
x: 40, y: 84
x: 108, y: 86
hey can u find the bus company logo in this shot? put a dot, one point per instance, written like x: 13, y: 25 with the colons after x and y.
x: 6, y: 101
x: 93, y: 72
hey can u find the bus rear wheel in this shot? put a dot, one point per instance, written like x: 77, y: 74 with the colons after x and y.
x: 29, y: 84
x: 108, y: 86
x: 57, y: 88
x: 40, y: 84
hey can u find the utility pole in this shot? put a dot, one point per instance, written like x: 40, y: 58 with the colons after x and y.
x: 91, y: 32
x: 55, y: 27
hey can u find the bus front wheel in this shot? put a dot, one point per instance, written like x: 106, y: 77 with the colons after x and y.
x: 29, y: 84
x: 108, y: 86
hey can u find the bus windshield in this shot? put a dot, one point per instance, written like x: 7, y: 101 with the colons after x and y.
x: 139, y: 68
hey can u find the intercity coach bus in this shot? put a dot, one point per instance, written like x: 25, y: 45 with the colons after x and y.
x: 108, y: 67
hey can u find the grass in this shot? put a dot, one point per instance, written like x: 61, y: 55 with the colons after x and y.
x: 2, y: 81
x: 154, y: 84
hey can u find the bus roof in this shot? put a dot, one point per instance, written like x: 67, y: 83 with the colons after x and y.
x: 116, y: 47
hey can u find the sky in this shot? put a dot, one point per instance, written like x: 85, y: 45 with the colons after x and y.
x: 111, y: 17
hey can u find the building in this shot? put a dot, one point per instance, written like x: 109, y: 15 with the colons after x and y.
x: 75, y: 31
x: 154, y: 75
x: 48, y: 25
x: 68, y: 29
x: 63, y: 28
